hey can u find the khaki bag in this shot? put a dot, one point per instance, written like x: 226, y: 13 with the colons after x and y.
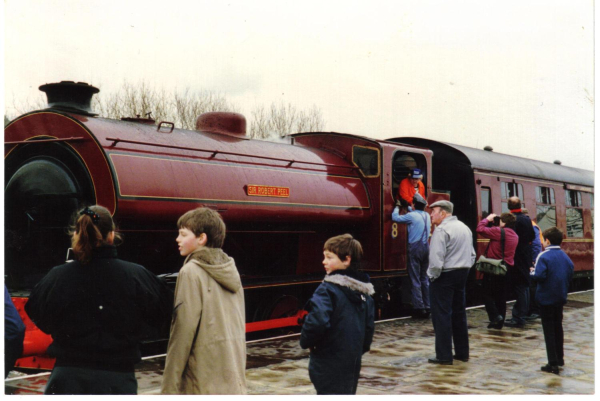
x: 496, y: 267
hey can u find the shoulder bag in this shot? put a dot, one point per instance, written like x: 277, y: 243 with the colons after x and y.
x: 496, y: 267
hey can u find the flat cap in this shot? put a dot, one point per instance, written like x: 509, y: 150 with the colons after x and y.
x: 419, y: 199
x: 444, y: 205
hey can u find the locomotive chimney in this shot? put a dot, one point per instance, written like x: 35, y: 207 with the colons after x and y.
x: 74, y: 97
x: 220, y: 122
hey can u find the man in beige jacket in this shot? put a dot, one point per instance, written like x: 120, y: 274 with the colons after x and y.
x: 207, y: 346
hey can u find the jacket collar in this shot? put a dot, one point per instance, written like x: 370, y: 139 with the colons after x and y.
x: 343, y: 278
x: 104, y: 252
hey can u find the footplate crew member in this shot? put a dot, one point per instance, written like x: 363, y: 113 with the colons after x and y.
x: 419, y: 227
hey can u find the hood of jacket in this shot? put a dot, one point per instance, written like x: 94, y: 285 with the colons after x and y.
x: 354, y: 284
x: 218, y: 265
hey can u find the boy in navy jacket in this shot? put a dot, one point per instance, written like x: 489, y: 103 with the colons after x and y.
x: 341, y: 320
x: 553, y: 272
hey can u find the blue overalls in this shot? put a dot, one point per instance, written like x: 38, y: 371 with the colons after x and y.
x: 418, y: 262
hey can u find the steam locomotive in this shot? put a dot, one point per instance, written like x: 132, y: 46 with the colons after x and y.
x: 280, y: 201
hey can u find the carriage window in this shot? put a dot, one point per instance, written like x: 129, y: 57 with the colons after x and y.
x: 544, y: 195
x: 486, y: 202
x: 367, y: 159
x: 573, y: 198
x: 545, y: 216
x: 545, y: 208
x: 509, y: 189
x: 574, y: 213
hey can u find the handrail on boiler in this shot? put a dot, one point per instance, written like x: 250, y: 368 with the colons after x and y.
x: 216, y: 152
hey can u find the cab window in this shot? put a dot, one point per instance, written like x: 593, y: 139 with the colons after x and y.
x: 402, y: 165
x: 367, y: 160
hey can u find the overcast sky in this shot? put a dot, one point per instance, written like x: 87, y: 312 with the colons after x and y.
x: 515, y: 75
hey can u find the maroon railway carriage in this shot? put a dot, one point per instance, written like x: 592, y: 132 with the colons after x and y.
x: 481, y: 181
x: 280, y: 201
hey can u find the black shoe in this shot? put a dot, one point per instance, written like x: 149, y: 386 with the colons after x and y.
x: 461, y: 358
x: 550, y: 369
x: 439, y: 362
x: 496, y: 323
x: 419, y: 314
x: 561, y: 363
x: 533, y: 316
x: 514, y: 323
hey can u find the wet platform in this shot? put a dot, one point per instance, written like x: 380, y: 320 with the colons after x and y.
x: 502, y: 362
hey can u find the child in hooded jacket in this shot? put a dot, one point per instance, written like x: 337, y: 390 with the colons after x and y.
x: 340, y: 323
x: 207, y: 346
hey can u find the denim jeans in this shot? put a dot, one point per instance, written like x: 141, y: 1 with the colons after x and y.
x: 418, y: 261
x: 449, y: 315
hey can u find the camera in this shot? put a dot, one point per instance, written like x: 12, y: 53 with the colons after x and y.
x: 496, y: 221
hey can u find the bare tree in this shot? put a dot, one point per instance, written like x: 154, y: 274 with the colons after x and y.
x: 281, y: 120
x: 184, y: 107
x: 139, y: 100
x: 188, y: 106
x: 310, y: 121
x: 25, y: 106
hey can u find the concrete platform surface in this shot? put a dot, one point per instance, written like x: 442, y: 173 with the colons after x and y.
x: 502, y: 362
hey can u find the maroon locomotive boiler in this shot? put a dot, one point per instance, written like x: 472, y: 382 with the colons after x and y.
x: 280, y: 201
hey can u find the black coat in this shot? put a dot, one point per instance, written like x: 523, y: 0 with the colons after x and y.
x: 99, y: 312
x: 524, y: 253
x: 339, y: 329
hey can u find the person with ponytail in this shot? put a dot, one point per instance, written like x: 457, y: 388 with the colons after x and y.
x: 97, y: 309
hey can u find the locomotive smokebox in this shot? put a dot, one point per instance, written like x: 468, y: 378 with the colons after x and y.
x: 70, y: 96
x: 220, y: 122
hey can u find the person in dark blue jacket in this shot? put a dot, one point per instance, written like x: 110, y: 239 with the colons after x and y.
x: 340, y: 323
x: 14, y: 334
x: 553, y: 272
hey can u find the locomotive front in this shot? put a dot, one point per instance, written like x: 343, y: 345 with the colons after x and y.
x: 272, y: 196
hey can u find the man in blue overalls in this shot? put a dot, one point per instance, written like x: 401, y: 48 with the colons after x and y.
x: 419, y: 227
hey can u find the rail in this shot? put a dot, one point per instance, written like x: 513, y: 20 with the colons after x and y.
x: 216, y: 152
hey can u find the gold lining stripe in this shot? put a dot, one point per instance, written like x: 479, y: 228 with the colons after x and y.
x: 230, y: 164
x: 231, y: 200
